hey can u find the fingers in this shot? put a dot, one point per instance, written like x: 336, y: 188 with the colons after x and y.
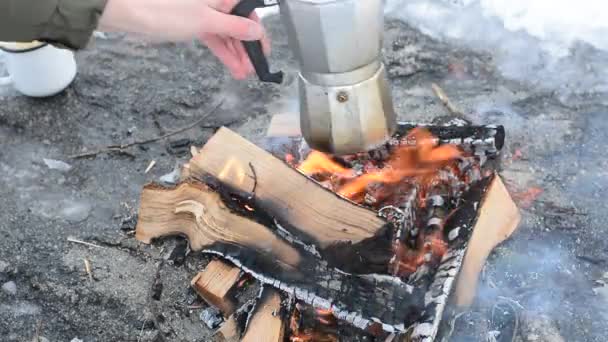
x: 227, y: 55
x: 231, y: 26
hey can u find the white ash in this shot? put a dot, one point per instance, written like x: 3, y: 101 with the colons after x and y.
x: 453, y: 234
x: 309, y: 298
x: 292, y: 239
x: 427, y: 331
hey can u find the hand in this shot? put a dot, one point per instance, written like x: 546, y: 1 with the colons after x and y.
x: 182, y: 20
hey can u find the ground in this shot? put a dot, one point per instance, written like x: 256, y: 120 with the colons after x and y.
x: 550, y: 273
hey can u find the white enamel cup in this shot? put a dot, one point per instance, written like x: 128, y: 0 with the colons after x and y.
x: 37, y: 69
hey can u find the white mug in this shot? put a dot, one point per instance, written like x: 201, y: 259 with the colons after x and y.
x: 37, y: 69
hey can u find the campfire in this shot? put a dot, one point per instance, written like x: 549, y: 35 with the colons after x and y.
x: 372, y: 245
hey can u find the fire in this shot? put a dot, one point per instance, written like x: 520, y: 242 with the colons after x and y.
x: 318, y: 162
x: 421, y: 158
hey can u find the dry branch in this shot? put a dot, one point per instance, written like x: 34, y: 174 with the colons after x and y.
x: 123, y: 146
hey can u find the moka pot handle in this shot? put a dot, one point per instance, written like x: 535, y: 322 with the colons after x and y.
x: 254, y: 48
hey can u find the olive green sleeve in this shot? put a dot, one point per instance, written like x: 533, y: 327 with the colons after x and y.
x: 67, y: 23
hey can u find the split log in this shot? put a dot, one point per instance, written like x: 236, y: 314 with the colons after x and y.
x: 311, y: 213
x: 215, y: 282
x: 267, y: 323
x: 229, y: 331
x: 498, y: 218
x: 194, y: 210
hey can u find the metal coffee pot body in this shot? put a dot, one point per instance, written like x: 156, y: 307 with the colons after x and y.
x: 345, y: 99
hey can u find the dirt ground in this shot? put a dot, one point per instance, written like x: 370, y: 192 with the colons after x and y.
x: 550, y: 279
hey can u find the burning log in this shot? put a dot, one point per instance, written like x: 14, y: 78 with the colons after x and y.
x: 487, y: 139
x: 250, y: 208
x: 207, y: 220
x: 483, y: 140
x: 214, y: 283
x: 312, y: 214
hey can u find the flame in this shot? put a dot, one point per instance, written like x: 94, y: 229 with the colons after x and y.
x: 318, y: 162
x: 421, y: 157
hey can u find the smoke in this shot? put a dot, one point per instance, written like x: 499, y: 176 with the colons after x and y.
x: 558, y: 45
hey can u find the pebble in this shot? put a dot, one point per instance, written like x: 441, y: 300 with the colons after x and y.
x: 3, y: 266
x: 10, y: 288
x: 57, y: 165
x: 76, y: 340
x: 76, y: 211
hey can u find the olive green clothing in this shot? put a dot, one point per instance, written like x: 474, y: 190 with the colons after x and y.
x: 66, y: 23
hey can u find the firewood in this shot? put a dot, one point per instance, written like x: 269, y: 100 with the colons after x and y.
x: 498, y: 218
x: 229, y: 331
x: 214, y: 283
x: 266, y: 324
x: 310, y: 212
x: 194, y: 210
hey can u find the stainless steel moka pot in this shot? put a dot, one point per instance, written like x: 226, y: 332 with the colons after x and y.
x: 345, y: 99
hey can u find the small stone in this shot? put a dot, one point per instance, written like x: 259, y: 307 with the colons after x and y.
x: 76, y: 211
x: 57, y: 165
x: 76, y: 340
x: 4, y: 266
x: 212, y: 317
x: 10, y: 288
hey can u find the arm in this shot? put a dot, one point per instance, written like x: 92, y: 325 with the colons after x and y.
x: 68, y: 23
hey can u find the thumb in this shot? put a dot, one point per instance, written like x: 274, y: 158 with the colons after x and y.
x: 233, y: 26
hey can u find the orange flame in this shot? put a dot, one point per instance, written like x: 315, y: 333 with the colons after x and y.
x: 422, y: 158
x: 318, y: 162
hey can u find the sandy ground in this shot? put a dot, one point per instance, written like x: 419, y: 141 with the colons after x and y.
x: 550, y: 277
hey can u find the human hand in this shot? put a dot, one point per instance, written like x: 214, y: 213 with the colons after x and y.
x: 181, y: 20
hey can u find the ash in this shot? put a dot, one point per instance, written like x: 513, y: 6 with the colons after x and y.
x: 549, y: 278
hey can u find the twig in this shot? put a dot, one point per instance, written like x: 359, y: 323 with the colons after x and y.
x: 443, y: 97
x: 84, y: 243
x: 87, y: 268
x: 255, y: 181
x: 150, y: 166
x: 38, y: 329
x: 121, y: 147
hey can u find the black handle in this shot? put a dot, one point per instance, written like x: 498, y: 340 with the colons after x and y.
x: 254, y: 48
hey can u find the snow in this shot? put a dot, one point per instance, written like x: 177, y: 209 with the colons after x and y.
x: 554, y: 44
